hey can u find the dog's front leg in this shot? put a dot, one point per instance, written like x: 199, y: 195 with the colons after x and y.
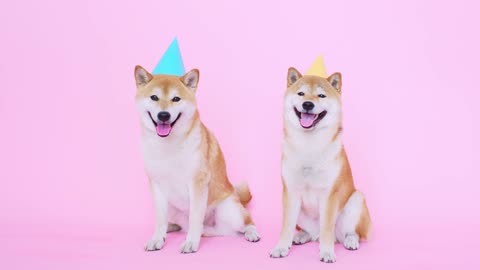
x: 198, y: 193
x: 160, y: 202
x: 291, y: 210
x: 328, y: 216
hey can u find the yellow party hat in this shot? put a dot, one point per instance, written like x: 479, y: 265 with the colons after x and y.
x: 317, y: 68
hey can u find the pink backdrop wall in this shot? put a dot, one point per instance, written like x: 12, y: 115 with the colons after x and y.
x: 73, y: 191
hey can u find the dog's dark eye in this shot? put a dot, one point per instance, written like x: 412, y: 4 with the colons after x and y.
x: 322, y: 96
x: 154, y: 98
x: 176, y: 99
x: 301, y: 93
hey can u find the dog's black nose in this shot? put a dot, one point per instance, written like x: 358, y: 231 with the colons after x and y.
x: 163, y: 116
x: 308, y: 105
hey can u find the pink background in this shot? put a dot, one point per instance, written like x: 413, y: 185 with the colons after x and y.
x: 73, y: 191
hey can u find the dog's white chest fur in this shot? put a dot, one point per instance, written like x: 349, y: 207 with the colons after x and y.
x: 310, y: 166
x: 310, y: 162
x: 172, y: 166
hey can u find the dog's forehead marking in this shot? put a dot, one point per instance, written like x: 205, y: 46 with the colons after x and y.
x: 157, y: 91
x: 311, y: 88
x: 305, y: 88
x: 320, y: 89
x: 165, y: 91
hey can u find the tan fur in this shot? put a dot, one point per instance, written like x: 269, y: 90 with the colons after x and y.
x: 244, y: 194
x: 284, y: 203
x: 364, y: 226
x: 195, y: 119
x: 167, y: 83
x: 337, y: 134
x: 247, y: 218
x: 219, y: 187
x: 343, y: 187
x: 312, y: 82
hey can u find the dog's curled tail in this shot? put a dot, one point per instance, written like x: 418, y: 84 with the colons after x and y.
x: 243, y: 192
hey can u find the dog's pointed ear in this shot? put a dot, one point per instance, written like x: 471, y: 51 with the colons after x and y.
x: 293, y: 76
x: 142, y: 76
x: 190, y: 79
x: 336, y: 81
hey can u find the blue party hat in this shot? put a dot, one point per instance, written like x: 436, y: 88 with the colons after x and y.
x: 171, y: 62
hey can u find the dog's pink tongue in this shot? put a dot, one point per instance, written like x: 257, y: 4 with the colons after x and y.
x: 306, y: 119
x: 163, y: 129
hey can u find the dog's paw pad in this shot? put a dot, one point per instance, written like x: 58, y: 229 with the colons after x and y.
x: 351, y: 242
x: 327, y: 257
x: 279, y: 252
x: 301, y: 238
x: 189, y: 247
x: 154, y: 244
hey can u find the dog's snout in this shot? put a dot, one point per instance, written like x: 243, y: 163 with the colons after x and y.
x: 308, y: 105
x: 163, y: 116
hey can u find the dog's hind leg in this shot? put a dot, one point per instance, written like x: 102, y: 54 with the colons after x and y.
x: 353, y: 222
x: 177, y: 219
x: 308, y: 229
x: 231, y: 217
x: 302, y: 237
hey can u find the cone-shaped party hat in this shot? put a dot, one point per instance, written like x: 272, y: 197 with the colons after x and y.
x: 317, y: 68
x: 171, y: 62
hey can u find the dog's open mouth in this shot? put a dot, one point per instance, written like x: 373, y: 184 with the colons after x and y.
x: 308, y: 120
x: 163, y: 128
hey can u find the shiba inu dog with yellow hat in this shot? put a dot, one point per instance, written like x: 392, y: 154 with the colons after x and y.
x: 319, y: 196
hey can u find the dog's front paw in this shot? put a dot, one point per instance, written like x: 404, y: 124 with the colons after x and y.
x: 189, y: 246
x: 155, y: 244
x: 327, y: 256
x: 279, y: 251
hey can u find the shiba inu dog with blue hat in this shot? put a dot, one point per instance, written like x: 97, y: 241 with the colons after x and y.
x: 184, y: 162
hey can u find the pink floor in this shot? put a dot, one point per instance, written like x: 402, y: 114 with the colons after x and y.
x: 50, y: 247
